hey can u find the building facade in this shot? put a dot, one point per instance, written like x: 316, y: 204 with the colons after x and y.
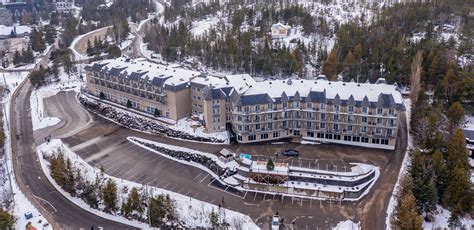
x: 360, y: 114
x: 148, y: 87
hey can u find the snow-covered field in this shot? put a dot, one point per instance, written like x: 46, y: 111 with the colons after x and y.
x: 190, y: 126
x: 441, y: 220
x: 21, y: 204
x: 403, y: 170
x: 38, y: 117
x: 192, y: 212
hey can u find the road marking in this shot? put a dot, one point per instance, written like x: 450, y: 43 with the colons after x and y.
x: 181, y: 190
x: 197, y: 176
x: 197, y: 193
x: 204, y: 178
x: 213, y: 179
x: 166, y: 186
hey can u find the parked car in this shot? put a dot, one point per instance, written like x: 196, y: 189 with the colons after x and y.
x: 275, y: 222
x: 291, y: 153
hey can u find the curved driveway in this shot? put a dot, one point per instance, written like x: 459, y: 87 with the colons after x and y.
x: 103, y: 143
x: 62, y: 213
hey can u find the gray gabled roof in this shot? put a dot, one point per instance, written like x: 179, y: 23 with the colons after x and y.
x: 254, y: 99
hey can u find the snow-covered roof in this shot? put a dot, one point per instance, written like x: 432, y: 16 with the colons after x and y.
x: 7, y: 30
x: 140, y: 69
x: 280, y: 25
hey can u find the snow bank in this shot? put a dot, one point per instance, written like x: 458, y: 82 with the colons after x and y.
x: 347, y: 225
x: 21, y: 204
x: 403, y: 170
x: 192, y: 212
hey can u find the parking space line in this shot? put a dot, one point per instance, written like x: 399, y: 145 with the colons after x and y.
x: 197, y: 176
x: 188, y: 192
x: 179, y: 191
x: 204, y: 178
x: 197, y: 193
x: 166, y: 186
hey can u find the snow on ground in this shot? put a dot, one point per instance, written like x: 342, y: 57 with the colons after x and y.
x: 193, y: 212
x: 202, y: 27
x: 441, y: 220
x: 190, y: 126
x: 77, y: 54
x: 39, y: 119
x: 403, y: 170
x: 21, y: 204
x: 347, y: 225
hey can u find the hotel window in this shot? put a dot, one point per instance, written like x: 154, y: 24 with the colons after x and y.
x: 350, y: 118
x: 379, y: 110
x: 252, y: 137
x: 239, y: 138
x: 239, y: 109
x: 336, y: 117
x: 336, y: 108
x: 269, y: 106
x: 322, y: 125
x: 257, y: 108
x: 365, y: 109
x: 246, y: 128
x: 308, y: 124
x: 257, y: 126
x: 350, y: 108
x: 257, y: 118
x: 363, y: 129
x: 391, y: 111
x: 364, y: 119
x: 308, y: 115
x: 270, y: 116
x: 285, y: 105
x: 296, y: 104
x: 379, y: 120
x: 378, y: 130
x: 336, y: 127
x: 239, y: 128
x: 323, y: 116
x: 246, y: 109
x: 389, y: 131
x: 349, y: 128
x: 309, y: 105
x: 239, y: 118
x: 270, y: 126
x: 322, y: 106
x: 392, y: 122
x: 264, y: 136
x: 283, y: 124
x: 276, y: 134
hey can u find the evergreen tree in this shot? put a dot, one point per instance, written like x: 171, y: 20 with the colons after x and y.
x: 270, y: 165
x: 330, y: 65
x: 455, y: 115
x: 50, y: 34
x: 114, y: 51
x: 134, y: 198
x: 407, y: 213
x: 90, y: 50
x: 441, y: 172
x: 7, y: 221
x: 459, y: 196
x: 90, y: 194
x: 109, y: 196
x: 129, y: 104
x: 423, y: 187
x: 28, y: 55
x: 17, y: 58
x: 457, y: 152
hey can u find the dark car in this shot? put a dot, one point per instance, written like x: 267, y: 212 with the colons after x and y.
x: 291, y: 153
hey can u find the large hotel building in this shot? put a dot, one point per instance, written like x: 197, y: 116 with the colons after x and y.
x: 359, y: 114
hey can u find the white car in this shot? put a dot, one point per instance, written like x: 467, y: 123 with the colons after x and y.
x: 275, y: 222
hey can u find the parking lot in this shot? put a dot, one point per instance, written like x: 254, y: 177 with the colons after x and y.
x: 104, y: 144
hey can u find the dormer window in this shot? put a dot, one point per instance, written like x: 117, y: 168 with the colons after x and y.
x: 365, y: 109
x: 379, y: 110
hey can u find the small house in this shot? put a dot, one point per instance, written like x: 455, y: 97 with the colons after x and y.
x: 280, y: 31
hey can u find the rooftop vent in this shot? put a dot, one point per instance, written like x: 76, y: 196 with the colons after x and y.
x: 358, y: 84
x: 301, y: 81
x: 289, y: 82
x: 174, y: 70
x: 344, y: 83
x: 270, y: 83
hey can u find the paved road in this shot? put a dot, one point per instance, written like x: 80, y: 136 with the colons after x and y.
x: 56, y: 208
x: 103, y: 143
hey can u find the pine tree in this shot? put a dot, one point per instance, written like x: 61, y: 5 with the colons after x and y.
x: 459, y: 196
x: 455, y: 115
x: 109, y: 196
x: 17, y: 58
x: 330, y: 65
x: 270, y: 165
x: 89, y: 50
x: 457, y: 151
x: 423, y: 186
x: 441, y: 172
x: 7, y: 221
x: 50, y: 34
x: 407, y: 213
x: 129, y: 104
x: 134, y: 198
x: 90, y: 194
